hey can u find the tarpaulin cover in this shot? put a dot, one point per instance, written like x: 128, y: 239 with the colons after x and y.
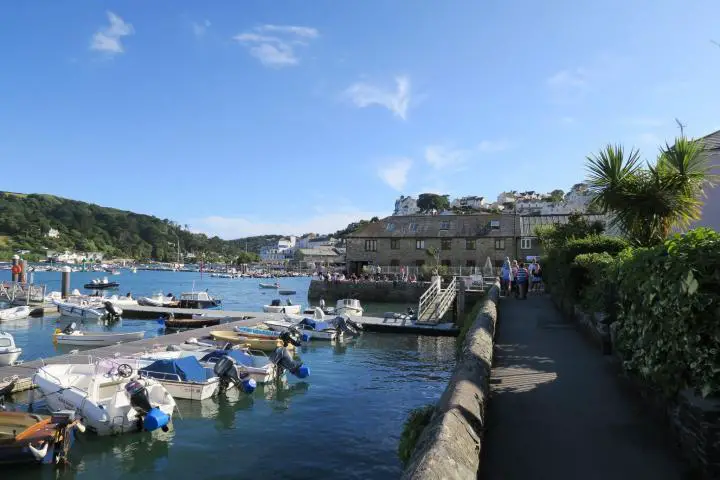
x: 187, y: 368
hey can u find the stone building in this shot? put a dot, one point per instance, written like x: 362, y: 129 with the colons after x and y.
x: 322, y: 256
x: 711, y: 209
x: 460, y: 240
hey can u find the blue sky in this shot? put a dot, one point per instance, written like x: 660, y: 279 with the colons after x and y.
x: 250, y: 117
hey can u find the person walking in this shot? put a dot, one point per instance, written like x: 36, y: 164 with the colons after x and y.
x: 506, y: 277
x: 522, y: 281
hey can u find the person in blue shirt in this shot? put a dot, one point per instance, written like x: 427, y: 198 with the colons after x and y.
x: 522, y: 281
x: 506, y: 277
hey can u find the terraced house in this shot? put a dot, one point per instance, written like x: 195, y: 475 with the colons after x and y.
x: 460, y: 240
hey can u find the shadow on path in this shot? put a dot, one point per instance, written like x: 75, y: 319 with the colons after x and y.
x: 558, y: 412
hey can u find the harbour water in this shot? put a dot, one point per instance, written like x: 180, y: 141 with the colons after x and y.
x: 344, y: 421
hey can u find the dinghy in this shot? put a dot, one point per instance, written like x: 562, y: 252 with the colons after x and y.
x: 110, y: 397
x: 270, y: 285
x: 287, y: 292
x: 82, y: 310
x: 35, y: 439
x: 16, y: 313
x: 198, y: 321
x: 158, y: 300
x: 9, y: 353
x: 71, y: 336
x: 98, y: 284
x: 349, y: 306
x: 316, y: 330
x: 255, y: 343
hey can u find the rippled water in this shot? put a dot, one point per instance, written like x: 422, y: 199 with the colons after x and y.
x: 343, y: 422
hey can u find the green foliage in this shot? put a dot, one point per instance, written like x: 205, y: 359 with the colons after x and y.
x: 668, y: 309
x: 557, y: 196
x: 595, y: 274
x: 648, y: 202
x: 577, y: 226
x: 416, y: 422
x: 428, y: 202
x: 247, y: 257
x: 26, y: 219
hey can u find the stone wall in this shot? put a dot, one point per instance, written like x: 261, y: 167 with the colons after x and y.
x: 367, y: 291
x: 694, y: 421
x: 449, y: 447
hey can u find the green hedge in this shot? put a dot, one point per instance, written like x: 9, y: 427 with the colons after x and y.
x: 596, y: 273
x: 669, y: 312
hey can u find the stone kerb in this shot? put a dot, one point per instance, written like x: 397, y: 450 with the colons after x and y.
x: 449, y: 447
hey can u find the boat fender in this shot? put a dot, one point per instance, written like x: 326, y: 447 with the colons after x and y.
x: 302, y: 372
x: 248, y: 385
x: 80, y: 427
x: 155, y: 419
x: 39, y: 453
x: 305, y: 337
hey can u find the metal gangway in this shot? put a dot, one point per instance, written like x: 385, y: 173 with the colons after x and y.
x: 436, y: 301
x: 16, y: 293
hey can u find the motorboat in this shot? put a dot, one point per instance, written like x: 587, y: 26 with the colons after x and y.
x: 15, y: 313
x: 111, y: 398
x: 7, y: 385
x: 185, y: 377
x: 101, y: 284
x: 84, y: 310
x: 126, y: 301
x: 199, y: 300
x: 265, y: 344
x: 349, y: 306
x: 315, y: 330
x: 197, y: 321
x: 26, y: 438
x: 71, y: 336
x: 276, y: 306
x: 275, y: 285
x: 158, y: 300
x: 9, y: 352
x: 287, y: 292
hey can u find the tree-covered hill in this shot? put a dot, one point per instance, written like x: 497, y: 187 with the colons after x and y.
x: 26, y: 220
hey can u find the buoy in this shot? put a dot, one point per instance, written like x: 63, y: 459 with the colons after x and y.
x: 17, y: 269
x: 249, y: 385
x: 303, y: 372
x: 305, y: 337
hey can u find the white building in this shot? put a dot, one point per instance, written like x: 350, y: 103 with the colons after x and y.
x: 69, y: 256
x: 282, y: 250
x: 406, y: 206
x: 471, y: 202
x: 53, y: 233
x: 578, y: 198
x: 507, y: 197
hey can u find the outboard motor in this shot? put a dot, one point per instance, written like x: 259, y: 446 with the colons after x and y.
x: 114, y: 310
x: 149, y: 418
x: 292, y: 335
x: 69, y: 329
x: 283, y: 361
x: 226, y: 370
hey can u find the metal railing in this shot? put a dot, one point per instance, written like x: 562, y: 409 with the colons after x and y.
x: 436, y: 301
x: 16, y: 292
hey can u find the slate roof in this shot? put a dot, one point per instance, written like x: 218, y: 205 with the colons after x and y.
x: 433, y: 226
x: 318, y: 252
x: 712, y: 141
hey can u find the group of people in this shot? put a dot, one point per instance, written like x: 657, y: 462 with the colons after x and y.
x: 518, y: 278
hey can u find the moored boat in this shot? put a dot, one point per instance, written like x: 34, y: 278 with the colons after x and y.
x: 198, y: 321
x: 275, y: 285
x: 349, y: 306
x: 158, y: 300
x: 101, y: 284
x: 83, y: 310
x: 71, y: 336
x: 315, y: 330
x: 199, y: 300
x: 15, y: 313
x: 9, y: 352
x: 35, y: 439
x: 256, y: 343
x: 111, y: 398
x: 276, y: 306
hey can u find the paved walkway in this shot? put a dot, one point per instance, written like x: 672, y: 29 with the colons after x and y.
x: 557, y: 410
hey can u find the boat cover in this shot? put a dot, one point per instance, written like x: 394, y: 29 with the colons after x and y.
x: 315, y: 325
x: 239, y: 356
x: 187, y: 368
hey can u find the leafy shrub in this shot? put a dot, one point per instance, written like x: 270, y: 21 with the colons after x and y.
x: 669, y: 312
x: 416, y: 422
x: 595, y: 274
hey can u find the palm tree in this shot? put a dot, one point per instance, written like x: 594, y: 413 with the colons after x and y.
x: 648, y: 202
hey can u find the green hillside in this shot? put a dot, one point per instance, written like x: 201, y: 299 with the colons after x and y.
x: 25, y: 221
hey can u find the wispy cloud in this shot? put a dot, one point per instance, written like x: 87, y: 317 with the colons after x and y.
x: 397, y: 101
x: 394, y: 172
x: 244, y: 226
x: 571, y: 84
x: 199, y: 29
x: 443, y: 157
x: 575, y: 78
x: 649, y: 139
x: 108, y: 39
x: 275, y: 45
x: 490, y: 146
x: 643, y: 122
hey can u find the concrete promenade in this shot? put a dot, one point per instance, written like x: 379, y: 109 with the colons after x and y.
x: 558, y: 411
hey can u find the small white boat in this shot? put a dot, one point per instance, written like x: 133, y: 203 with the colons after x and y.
x: 16, y: 313
x: 84, y: 310
x: 157, y: 300
x: 9, y: 353
x: 122, y: 301
x: 349, y: 306
x: 110, y: 397
x: 316, y: 330
x: 71, y: 336
x: 277, y: 307
x: 270, y: 285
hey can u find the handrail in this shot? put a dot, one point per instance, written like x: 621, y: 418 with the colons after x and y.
x: 441, y: 301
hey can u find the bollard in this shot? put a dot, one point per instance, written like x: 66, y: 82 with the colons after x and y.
x: 15, y: 262
x: 23, y: 271
x: 65, y: 282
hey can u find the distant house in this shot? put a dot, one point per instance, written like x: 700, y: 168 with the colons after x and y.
x: 53, y: 233
x: 319, y: 256
x: 406, y: 206
x: 280, y: 251
x: 711, y: 209
x: 468, y: 203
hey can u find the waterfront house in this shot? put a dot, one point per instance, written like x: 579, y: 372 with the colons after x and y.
x: 460, y: 241
x: 322, y: 256
x: 711, y: 209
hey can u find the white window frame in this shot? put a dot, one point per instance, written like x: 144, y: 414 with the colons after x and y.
x: 420, y: 244
x: 525, y: 243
